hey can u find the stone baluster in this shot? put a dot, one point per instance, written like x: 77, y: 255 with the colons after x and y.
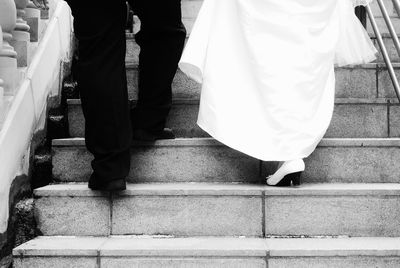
x: 2, y: 104
x: 1, y: 86
x: 32, y: 17
x: 44, y: 12
x: 8, y: 56
x: 21, y: 36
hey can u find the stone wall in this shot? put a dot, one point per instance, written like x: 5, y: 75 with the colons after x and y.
x: 37, y: 90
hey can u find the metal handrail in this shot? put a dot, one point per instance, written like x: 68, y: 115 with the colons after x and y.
x: 379, y: 38
x: 396, y: 4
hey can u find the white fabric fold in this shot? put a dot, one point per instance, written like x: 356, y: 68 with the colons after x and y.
x: 267, y: 71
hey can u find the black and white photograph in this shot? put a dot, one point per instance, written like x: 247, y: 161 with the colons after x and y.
x: 200, y: 134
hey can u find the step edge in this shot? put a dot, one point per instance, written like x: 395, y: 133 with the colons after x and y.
x: 338, y: 101
x: 256, y: 247
x: 239, y: 190
x: 189, y: 142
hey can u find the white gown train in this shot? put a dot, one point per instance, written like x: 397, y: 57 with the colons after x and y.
x: 267, y: 71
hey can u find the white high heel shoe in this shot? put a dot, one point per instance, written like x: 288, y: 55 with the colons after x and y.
x: 287, y: 174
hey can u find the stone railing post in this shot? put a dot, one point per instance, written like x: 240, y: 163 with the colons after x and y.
x: 44, y: 12
x: 21, y: 36
x: 2, y: 105
x: 1, y: 86
x: 32, y: 17
x: 8, y: 56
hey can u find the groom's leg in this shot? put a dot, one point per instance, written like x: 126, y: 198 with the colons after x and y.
x: 161, y: 40
x: 100, y: 29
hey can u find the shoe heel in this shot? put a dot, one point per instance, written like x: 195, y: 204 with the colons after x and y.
x: 285, y: 182
x: 295, y: 178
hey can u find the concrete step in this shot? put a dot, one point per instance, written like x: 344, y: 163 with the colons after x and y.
x: 365, y: 81
x: 198, y: 209
x: 181, y: 160
x: 182, y: 119
x: 352, y: 118
x: 125, y: 251
x: 132, y: 52
x: 206, y: 160
x: 389, y: 7
x: 191, y: 8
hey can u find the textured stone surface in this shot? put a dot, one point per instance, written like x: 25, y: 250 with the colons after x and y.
x: 391, y: 49
x: 334, y: 262
x: 60, y: 246
x: 388, y: 5
x: 182, y: 263
x: 182, y: 119
x: 332, y: 215
x: 333, y: 247
x: 356, y: 82
x: 353, y: 164
x: 152, y: 209
x: 335, y: 160
x: 59, y: 262
x: 385, y: 86
x: 73, y: 215
x: 355, y: 118
x: 182, y: 86
x: 127, y: 251
x: 382, y: 25
x: 128, y: 246
x: 71, y: 164
x: 351, y: 82
x: 394, y: 115
x: 197, y: 160
x: 188, y: 216
x: 22, y: 48
x: 359, y: 120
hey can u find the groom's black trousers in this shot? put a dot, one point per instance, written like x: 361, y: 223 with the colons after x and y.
x: 161, y: 40
x: 100, y: 29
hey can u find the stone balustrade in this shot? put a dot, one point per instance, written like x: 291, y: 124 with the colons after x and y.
x: 1, y: 83
x: 32, y: 17
x: 8, y: 56
x: 21, y: 23
x: 2, y: 103
x: 21, y: 35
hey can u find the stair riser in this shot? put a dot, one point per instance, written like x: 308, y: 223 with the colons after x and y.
x: 220, y: 164
x: 186, y: 215
x: 336, y: 215
x: 165, y: 164
x: 207, y: 252
x: 391, y: 49
x: 350, y: 165
x: 382, y: 25
x: 174, y: 261
x: 132, y: 52
x: 351, y: 261
x: 389, y: 7
x: 54, y: 261
x: 356, y: 120
x: 152, y: 215
x: 367, y: 82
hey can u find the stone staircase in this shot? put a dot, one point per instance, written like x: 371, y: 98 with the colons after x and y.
x: 193, y: 202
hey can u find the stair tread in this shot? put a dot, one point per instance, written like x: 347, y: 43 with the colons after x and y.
x: 371, y: 65
x: 208, y: 247
x: 327, y: 142
x: 224, y: 189
x: 196, y: 101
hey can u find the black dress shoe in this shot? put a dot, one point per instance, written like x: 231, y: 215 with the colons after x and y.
x: 109, y: 186
x: 149, y: 135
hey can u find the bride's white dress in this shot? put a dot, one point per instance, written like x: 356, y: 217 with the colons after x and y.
x: 267, y: 71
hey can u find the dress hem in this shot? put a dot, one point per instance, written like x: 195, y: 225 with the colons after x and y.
x: 262, y: 158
